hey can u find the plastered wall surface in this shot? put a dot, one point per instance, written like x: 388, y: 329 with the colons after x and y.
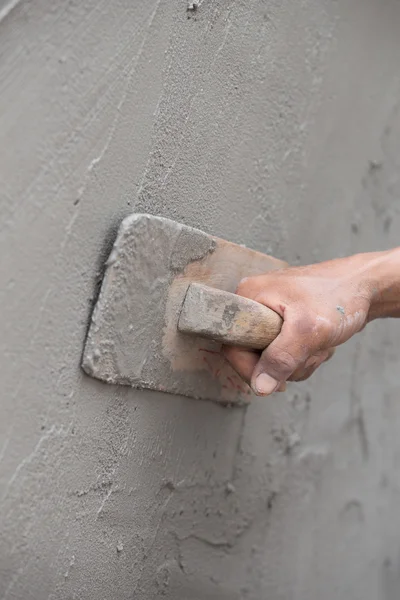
x: 271, y: 123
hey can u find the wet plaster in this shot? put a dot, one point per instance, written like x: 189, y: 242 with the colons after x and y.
x: 274, y: 124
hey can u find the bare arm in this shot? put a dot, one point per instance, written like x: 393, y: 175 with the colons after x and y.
x: 322, y: 305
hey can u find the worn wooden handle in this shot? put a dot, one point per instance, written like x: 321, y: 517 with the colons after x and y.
x: 228, y: 318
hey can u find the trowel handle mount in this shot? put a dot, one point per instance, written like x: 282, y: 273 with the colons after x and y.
x: 228, y: 318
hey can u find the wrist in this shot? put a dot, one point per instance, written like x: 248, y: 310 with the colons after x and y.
x: 382, y: 279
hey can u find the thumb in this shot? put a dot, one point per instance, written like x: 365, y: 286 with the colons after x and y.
x: 286, y: 354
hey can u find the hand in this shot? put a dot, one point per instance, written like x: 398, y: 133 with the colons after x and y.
x: 322, y: 306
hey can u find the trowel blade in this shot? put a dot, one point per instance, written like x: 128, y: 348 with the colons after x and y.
x: 133, y: 337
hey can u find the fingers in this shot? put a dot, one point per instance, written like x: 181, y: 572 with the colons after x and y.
x: 311, y: 365
x: 295, y: 354
x: 243, y: 361
x: 303, y: 342
x: 286, y: 354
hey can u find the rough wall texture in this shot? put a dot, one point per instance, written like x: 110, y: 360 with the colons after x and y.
x: 275, y: 123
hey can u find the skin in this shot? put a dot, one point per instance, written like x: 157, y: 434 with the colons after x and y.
x: 322, y: 305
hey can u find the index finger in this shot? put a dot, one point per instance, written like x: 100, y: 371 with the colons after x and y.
x: 243, y: 362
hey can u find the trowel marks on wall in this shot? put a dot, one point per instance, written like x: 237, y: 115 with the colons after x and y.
x: 256, y: 122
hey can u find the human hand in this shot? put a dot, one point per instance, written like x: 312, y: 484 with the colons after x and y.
x: 322, y: 306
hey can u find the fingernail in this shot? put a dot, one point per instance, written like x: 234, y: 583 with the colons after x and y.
x: 265, y: 384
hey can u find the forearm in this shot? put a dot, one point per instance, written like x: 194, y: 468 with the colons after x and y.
x: 383, y: 276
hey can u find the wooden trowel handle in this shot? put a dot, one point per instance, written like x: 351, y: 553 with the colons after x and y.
x: 228, y: 318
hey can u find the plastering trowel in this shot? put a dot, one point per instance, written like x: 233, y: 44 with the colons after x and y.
x: 166, y: 305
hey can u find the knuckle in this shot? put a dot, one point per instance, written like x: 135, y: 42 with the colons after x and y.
x: 329, y: 354
x: 317, y: 328
x: 324, y: 329
x: 244, y: 286
x: 283, y: 361
x: 304, y: 375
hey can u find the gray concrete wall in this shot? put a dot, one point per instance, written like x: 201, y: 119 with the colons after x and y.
x: 273, y: 123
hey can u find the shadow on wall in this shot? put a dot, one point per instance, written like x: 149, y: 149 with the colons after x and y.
x: 100, y: 267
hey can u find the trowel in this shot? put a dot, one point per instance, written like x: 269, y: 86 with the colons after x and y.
x: 167, y: 305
